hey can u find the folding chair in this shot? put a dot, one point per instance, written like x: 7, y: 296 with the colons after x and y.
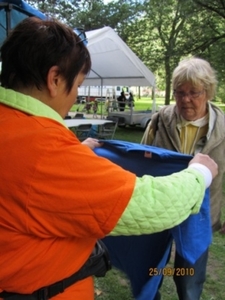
x: 107, y: 131
x: 78, y: 116
x: 83, y: 131
x: 119, y: 120
x: 113, y: 118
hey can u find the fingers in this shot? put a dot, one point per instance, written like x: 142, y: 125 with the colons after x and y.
x: 92, y: 143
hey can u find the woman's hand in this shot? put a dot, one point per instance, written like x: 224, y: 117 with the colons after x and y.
x: 92, y: 143
x: 206, y: 161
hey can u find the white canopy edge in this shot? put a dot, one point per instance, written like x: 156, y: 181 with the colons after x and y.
x: 113, y: 62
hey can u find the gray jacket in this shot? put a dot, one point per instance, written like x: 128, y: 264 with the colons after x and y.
x: 162, y: 132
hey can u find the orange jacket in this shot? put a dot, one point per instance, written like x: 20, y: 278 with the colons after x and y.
x: 57, y: 198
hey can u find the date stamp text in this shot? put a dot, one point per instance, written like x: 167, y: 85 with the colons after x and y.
x: 167, y: 271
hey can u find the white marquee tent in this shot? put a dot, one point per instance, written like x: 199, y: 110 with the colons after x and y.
x: 113, y: 62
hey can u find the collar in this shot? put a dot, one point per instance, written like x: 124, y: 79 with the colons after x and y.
x: 198, y: 123
x: 28, y: 105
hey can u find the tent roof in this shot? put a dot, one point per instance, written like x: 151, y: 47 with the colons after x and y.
x: 113, y: 62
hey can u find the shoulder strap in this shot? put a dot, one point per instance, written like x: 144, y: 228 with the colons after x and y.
x: 155, y: 122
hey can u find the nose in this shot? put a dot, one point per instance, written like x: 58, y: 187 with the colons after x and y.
x: 186, y: 97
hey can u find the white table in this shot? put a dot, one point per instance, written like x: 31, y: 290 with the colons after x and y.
x: 76, y: 122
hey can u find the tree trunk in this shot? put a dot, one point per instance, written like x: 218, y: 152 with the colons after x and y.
x: 168, y: 81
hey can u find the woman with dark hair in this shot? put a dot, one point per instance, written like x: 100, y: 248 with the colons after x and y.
x: 57, y: 196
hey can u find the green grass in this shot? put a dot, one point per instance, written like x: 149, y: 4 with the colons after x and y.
x: 115, y: 286
x: 125, y: 134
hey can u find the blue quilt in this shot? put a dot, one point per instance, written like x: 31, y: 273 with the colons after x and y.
x: 137, y: 256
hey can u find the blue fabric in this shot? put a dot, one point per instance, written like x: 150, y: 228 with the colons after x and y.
x: 194, y: 235
x: 135, y: 255
x: 94, y: 131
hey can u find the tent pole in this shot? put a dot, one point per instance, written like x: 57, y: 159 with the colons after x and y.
x: 101, y: 96
x: 153, y: 100
x: 8, y: 9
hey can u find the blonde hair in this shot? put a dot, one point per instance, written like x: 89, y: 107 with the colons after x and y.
x: 197, y: 71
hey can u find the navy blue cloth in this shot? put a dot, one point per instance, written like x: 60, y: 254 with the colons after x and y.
x: 137, y: 255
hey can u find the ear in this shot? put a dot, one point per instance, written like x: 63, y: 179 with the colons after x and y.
x: 53, y: 81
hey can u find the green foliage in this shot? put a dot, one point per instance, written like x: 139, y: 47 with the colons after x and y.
x: 58, y: 9
x: 169, y: 31
x: 214, y: 43
x: 116, y: 14
x: 91, y: 14
x: 221, y: 94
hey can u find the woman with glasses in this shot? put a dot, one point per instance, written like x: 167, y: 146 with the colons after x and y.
x: 193, y: 125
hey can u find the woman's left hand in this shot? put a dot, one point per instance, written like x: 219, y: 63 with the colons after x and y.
x: 92, y: 143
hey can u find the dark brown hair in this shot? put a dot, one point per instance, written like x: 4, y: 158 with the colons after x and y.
x: 34, y: 46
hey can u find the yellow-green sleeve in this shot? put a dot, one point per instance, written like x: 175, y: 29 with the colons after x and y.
x: 160, y: 203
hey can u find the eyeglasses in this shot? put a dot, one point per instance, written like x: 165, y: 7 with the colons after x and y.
x: 191, y: 95
x: 82, y: 35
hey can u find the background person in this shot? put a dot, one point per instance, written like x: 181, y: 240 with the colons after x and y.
x: 56, y: 198
x: 131, y: 100
x: 191, y: 126
x: 122, y: 101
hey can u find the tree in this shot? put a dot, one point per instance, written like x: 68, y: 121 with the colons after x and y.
x: 116, y: 14
x: 216, y: 7
x: 91, y: 14
x: 215, y: 46
x: 168, y: 31
x: 62, y: 10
